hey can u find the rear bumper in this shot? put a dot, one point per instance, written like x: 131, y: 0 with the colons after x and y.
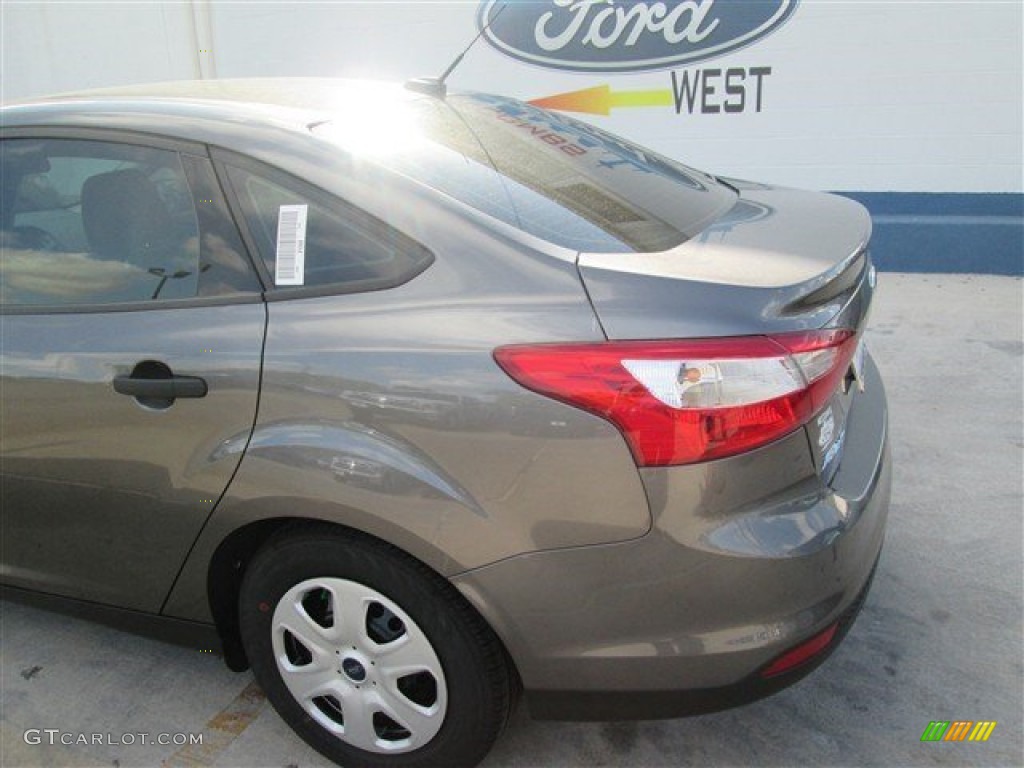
x: 748, y: 557
x: 658, y: 704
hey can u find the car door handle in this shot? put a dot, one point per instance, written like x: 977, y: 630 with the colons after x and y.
x: 164, y: 389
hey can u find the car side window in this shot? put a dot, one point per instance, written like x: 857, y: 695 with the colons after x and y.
x: 224, y: 265
x: 97, y: 223
x: 339, y: 244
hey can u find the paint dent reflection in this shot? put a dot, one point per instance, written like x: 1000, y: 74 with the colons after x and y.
x: 354, y: 455
x: 796, y: 528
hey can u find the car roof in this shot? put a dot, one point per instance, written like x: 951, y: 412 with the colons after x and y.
x: 192, y: 109
x: 301, y: 93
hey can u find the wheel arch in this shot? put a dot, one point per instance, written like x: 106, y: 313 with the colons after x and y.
x: 231, y: 557
x: 224, y: 581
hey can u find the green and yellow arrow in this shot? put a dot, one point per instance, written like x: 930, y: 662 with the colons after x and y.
x: 601, y: 100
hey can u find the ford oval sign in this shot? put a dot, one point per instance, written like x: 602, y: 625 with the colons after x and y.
x: 626, y: 36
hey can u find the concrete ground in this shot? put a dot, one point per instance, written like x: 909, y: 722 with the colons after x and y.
x: 940, y: 637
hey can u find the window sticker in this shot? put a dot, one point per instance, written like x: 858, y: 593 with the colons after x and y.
x: 290, y: 264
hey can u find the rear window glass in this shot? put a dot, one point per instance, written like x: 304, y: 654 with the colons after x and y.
x: 554, y: 177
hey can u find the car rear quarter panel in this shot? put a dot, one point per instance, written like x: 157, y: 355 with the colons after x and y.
x: 385, y: 411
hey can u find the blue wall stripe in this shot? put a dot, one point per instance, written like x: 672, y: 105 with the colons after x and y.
x: 949, y: 232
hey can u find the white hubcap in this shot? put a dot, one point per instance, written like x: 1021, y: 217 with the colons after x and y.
x: 359, y: 665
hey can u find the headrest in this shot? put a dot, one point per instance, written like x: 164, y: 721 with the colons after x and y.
x: 124, y: 217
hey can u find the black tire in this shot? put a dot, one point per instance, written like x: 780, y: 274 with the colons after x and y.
x: 479, y: 683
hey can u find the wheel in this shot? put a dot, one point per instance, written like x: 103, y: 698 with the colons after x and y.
x: 371, y: 657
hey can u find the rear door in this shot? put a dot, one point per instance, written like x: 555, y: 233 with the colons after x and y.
x: 131, y: 344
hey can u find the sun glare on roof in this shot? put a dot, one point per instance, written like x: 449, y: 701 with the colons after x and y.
x: 381, y: 127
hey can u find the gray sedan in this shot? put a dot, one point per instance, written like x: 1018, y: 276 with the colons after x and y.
x: 417, y: 403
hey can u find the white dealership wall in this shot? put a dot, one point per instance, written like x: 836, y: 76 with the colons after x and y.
x: 869, y: 96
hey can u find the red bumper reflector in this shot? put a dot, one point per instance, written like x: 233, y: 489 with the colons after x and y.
x: 803, y: 652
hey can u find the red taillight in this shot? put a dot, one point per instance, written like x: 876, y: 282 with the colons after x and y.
x: 679, y: 402
x: 801, y: 654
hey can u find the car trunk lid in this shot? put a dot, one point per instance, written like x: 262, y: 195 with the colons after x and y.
x: 779, y: 260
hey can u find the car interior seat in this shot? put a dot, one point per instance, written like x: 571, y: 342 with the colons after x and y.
x: 126, y: 220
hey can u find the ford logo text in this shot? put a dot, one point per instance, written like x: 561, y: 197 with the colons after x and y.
x: 625, y: 36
